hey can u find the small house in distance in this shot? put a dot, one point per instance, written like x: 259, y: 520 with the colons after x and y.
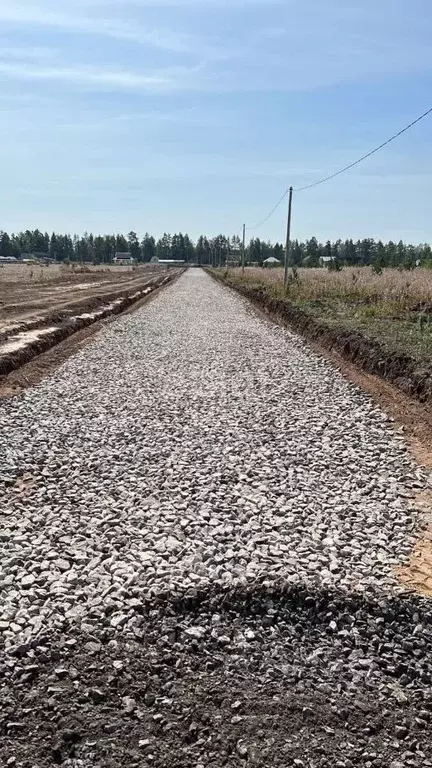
x: 271, y: 262
x: 8, y: 260
x: 124, y: 259
x: 325, y: 261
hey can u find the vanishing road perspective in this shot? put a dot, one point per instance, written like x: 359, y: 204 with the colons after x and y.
x: 204, y: 530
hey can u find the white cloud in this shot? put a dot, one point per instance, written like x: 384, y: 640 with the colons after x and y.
x: 247, y: 46
x: 111, y: 78
x: 44, y: 16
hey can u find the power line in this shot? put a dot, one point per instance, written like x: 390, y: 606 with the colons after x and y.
x: 260, y: 224
x: 369, y: 154
x: 342, y: 170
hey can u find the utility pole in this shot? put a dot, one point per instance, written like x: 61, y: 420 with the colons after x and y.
x: 244, y: 248
x: 288, y: 239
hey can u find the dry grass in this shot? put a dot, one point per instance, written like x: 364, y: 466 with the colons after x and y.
x: 393, y: 290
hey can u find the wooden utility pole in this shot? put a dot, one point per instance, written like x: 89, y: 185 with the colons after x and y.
x: 244, y: 248
x: 288, y: 239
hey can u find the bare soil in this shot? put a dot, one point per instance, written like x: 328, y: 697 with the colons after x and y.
x: 39, y: 295
x: 297, y: 695
x: 418, y: 574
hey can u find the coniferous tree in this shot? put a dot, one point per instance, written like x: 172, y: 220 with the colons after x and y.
x: 134, y: 246
x: 148, y: 247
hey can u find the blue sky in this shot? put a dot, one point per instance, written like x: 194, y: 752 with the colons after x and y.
x: 195, y: 115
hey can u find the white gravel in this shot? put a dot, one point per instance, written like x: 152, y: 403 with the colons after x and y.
x: 193, y: 443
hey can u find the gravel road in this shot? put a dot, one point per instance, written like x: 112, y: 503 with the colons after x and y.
x: 201, y: 501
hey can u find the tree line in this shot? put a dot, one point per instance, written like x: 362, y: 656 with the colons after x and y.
x: 367, y: 252
x: 101, y: 249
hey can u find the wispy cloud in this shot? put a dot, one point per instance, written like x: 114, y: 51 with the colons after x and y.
x: 253, y: 48
x: 111, y: 78
x: 45, y: 16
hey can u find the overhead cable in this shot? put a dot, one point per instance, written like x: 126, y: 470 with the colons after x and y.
x: 364, y: 157
x: 342, y: 170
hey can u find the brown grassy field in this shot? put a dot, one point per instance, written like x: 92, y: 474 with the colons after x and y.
x: 398, y: 289
x: 394, y: 307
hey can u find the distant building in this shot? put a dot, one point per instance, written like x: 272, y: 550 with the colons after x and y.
x: 8, y: 260
x: 325, y: 260
x: 271, y: 262
x: 124, y: 259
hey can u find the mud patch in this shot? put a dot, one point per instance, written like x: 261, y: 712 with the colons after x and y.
x: 418, y: 574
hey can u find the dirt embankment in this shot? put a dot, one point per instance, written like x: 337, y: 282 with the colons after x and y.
x: 401, y: 370
x: 27, y: 340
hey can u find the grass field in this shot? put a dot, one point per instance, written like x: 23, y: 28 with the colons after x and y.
x: 394, y: 307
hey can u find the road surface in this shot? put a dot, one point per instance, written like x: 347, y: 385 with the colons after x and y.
x: 202, y: 525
